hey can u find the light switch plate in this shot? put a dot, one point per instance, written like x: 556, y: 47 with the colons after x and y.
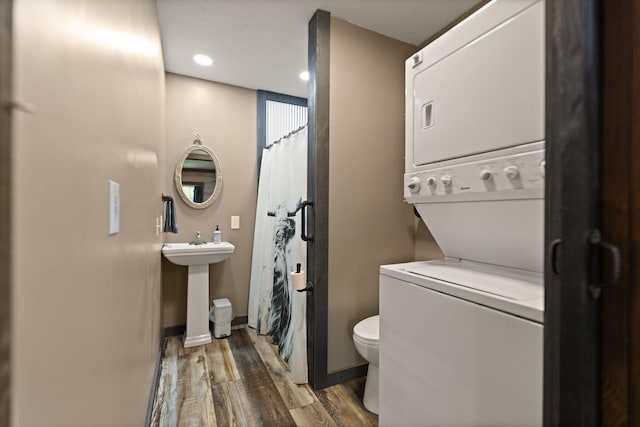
x: 235, y: 222
x: 114, y: 207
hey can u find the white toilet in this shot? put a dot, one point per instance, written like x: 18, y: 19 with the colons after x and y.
x: 366, y: 338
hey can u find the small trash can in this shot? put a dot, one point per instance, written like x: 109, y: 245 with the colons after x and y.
x: 221, y: 315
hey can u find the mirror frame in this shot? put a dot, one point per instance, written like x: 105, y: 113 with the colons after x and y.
x: 178, y: 176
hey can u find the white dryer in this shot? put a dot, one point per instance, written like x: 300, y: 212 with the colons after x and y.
x: 461, y: 338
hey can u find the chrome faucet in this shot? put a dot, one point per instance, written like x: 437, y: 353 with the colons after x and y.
x: 197, y: 240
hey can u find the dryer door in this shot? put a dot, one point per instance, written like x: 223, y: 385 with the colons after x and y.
x: 486, y: 94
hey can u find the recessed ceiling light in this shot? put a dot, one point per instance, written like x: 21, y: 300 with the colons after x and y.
x: 202, y: 59
x: 304, y: 76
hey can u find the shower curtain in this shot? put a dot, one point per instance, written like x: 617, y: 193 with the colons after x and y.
x: 275, y: 309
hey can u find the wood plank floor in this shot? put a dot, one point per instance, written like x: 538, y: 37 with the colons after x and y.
x: 241, y: 381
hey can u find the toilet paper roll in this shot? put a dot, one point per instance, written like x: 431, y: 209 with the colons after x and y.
x: 298, y: 281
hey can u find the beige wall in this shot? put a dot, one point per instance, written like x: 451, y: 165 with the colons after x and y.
x: 5, y: 210
x: 426, y: 247
x: 369, y: 222
x: 225, y: 117
x: 86, y: 305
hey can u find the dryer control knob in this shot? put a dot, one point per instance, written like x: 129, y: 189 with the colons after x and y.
x: 431, y: 181
x: 414, y: 184
x: 486, y: 175
x: 511, y: 172
x: 446, y: 180
x: 542, y: 168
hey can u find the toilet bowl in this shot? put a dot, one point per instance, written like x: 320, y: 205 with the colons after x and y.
x: 366, y: 338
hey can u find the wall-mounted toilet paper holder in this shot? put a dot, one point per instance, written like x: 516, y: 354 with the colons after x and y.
x: 298, y: 281
x: 309, y: 288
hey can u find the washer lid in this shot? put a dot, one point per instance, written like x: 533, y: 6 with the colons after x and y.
x: 515, y: 284
x: 368, y: 329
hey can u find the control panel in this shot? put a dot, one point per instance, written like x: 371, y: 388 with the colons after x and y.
x: 509, y: 173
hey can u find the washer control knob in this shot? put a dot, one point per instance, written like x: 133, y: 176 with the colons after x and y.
x: 431, y: 181
x: 542, y: 168
x: 414, y: 184
x: 446, y: 180
x: 512, y: 172
x: 486, y: 175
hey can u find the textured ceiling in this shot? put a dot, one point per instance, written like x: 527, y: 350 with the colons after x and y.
x: 262, y: 44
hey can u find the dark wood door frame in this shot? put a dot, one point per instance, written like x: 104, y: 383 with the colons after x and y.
x: 592, y: 345
x: 573, y: 138
x: 318, y: 194
x: 621, y: 212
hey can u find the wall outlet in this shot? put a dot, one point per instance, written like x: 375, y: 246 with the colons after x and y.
x: 114, y: 207
x: 235, y: 222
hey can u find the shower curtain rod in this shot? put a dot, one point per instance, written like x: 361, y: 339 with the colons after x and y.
x: 293, y: 132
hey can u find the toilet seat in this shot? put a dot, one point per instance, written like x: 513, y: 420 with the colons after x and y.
x: 367, y: 331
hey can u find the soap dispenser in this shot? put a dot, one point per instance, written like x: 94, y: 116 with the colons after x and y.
x: 217, y: 235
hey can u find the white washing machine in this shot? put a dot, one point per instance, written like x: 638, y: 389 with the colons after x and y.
x: 460, y: 345
x: 461, y: 339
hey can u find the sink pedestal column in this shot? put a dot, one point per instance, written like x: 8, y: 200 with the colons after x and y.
x: 197, y: 307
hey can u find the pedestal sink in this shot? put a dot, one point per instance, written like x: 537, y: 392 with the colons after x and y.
x: 197, y: 258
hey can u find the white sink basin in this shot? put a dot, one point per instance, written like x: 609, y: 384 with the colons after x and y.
x: 197, y: 258
x: 206, y: 253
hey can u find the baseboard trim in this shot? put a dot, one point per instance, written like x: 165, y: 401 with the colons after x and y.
x: 172, y: 331
x: 241, y: 320
x: 345, y: 375
x: 154, y: 384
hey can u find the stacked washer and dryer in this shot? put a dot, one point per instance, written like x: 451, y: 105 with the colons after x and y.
x: 461, y: 339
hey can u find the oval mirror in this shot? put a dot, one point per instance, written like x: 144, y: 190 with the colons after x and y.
x: 198, y: 176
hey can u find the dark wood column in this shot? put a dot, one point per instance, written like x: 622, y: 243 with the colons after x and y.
x: 621, y: 212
